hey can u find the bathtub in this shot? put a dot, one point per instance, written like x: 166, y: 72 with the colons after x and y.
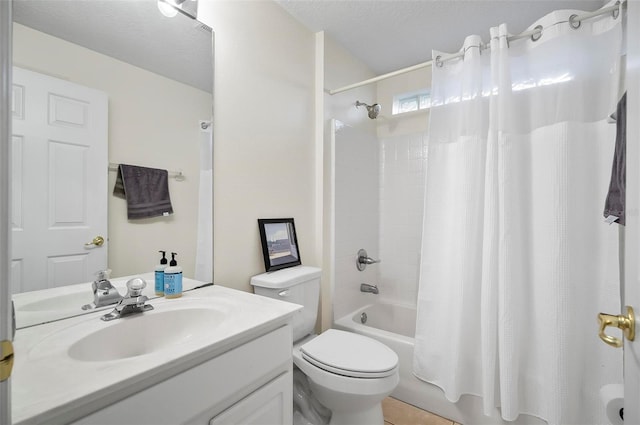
x: 394, y: 325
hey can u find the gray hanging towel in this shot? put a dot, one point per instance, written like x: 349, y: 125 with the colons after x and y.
x: 145, y: 189
x: 615, y: 202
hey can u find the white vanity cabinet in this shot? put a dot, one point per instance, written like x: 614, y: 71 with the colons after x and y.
x: 214, y: 356
x: 249, y: 384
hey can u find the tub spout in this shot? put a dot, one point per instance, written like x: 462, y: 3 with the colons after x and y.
x: 365, y: 287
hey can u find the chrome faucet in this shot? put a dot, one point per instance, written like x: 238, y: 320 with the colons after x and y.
x: 104, y: 293
x: 365, y: 287
x: 133, y: 302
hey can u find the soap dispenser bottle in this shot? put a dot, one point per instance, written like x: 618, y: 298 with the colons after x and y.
x: 173, y: 279
x: 159, y: 286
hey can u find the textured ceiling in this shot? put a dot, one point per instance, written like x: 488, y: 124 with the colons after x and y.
x: 385, y: 34
x: 131, y: 31
x: 391, y: 34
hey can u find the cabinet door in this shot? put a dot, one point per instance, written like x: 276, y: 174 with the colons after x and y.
x: 271, y: 404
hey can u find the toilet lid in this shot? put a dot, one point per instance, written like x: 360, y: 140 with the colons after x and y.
x: 350, y: 354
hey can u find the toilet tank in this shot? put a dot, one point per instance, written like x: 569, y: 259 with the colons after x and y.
x: 299, y: 285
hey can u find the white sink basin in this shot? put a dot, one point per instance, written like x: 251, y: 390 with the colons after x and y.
x: 145, y: 333
x: 169, y: 325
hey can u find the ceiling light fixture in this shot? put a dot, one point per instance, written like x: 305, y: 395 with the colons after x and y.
x: 169, y: 8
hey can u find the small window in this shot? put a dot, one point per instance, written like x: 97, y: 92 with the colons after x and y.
x: 409, y: 102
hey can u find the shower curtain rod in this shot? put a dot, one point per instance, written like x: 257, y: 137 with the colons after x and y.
x: 534, y: 34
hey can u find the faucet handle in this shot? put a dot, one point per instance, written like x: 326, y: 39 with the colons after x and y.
x: 135, y: 286
x: 103, y: 274
x: 363, y: 259
x: 131, y: 303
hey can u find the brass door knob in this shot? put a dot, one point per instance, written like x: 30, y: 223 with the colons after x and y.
x: 97, y: 241
x: 626, y: 323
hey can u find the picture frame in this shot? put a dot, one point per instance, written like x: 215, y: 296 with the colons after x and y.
x: 279, y: 243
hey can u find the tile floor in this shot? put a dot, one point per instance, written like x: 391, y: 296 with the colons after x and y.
x: 397, y: 412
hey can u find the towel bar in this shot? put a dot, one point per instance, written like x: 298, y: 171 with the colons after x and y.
x: 177, y: 175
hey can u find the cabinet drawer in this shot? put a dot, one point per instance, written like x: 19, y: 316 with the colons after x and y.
x: 269, y: 405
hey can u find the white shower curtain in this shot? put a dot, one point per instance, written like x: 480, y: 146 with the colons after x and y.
x: 204, y: 247
x: 516, y: 258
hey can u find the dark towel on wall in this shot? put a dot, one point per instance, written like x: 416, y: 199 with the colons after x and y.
x: 145, y: 189
x: 615, y: 203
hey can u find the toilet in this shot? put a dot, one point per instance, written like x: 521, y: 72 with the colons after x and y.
x: 348, y: 373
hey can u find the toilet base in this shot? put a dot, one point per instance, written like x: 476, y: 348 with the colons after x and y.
x: 370, y: 416
x: 351, y: 408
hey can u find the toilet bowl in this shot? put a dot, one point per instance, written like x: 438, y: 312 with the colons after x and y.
x: 348, y: 373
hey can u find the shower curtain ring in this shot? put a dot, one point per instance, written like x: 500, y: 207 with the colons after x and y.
x: 575, y: 24
x: 616, y: 12
x: 537, y: 34
x: 439, y: 61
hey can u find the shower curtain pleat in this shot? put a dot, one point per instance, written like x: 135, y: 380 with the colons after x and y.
x: 516, y: 260
x: 204, y: 246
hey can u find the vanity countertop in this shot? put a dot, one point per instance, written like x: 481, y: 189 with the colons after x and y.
x: 50, y: 386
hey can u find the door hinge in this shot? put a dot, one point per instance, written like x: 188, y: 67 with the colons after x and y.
x: 6, y: 361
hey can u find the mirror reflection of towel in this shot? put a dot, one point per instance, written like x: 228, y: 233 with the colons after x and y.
x: 615, y: 202
x: 145, y: 189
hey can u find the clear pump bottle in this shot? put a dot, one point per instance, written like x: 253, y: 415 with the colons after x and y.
x: 159, y: 285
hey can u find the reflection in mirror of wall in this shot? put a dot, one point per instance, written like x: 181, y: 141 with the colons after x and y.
x: 155, y: 105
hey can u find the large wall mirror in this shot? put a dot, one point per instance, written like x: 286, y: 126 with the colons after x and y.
x: 154, y: 77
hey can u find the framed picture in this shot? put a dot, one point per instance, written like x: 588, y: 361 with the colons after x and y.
x: 279, y: 243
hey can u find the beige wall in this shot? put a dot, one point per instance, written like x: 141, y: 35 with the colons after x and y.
x: 146, y: 127
x: 407, y: 123
x: 263, y: 133
x: 341, y: 69
x: 272, y: 154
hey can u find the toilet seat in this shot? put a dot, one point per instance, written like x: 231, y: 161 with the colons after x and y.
x: 349, y: 354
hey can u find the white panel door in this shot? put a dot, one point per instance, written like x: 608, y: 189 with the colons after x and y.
x: 5, y: 214
x: 59, y: 181
x: 632, y: 238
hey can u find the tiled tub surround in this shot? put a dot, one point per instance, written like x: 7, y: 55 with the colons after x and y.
x: 379, y: 190
x: 356, y: 215
x: 401, y: 201
x: 379, y: 186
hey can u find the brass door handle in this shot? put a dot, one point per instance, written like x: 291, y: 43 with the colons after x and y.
x: 626, y: 323
x: 6, y: 362
x: 97, y: 241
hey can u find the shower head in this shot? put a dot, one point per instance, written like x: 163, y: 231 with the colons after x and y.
x: 372, y: 110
